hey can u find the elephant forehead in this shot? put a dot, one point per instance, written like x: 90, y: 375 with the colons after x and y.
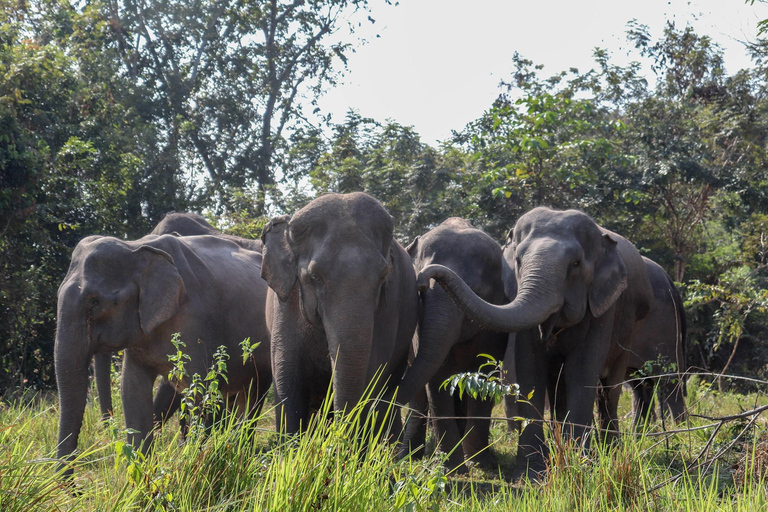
x: 337, y: 213
x: 106, y: 256
x: 560, y: 223
x: 360, y: 255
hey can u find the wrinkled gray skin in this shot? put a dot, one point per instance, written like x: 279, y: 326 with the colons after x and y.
x: 581, y: 293
x: 133, y: 296
x: 342, y: 302
x: 449, y: 343
x: 660, y: 339
x: 167, y: 400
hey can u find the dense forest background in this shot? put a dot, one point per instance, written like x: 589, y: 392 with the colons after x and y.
x: 114, y: 112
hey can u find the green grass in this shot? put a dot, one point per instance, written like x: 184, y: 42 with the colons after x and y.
x: 248, y: 467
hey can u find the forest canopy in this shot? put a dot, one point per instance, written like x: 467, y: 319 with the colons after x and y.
x: 114, y: 113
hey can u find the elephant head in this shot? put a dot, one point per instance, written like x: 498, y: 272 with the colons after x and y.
x: 334, y: 258
x: 557, y: 265
x: 113, y: 295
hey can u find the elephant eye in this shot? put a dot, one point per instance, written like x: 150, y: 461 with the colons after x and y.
x: 93, y: 304
x: 576, y: 264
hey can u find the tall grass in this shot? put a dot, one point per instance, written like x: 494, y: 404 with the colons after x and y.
x: 339, y: 465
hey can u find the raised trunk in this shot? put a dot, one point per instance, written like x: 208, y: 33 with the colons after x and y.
x: 531, y: 307
x: 71, y: 360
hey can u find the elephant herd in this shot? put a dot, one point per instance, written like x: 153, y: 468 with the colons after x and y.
x: 330, y: 296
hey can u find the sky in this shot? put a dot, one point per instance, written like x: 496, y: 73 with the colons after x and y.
x: 436, y: 64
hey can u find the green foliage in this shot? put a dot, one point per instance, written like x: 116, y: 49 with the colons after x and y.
x: 244, y: 465
x: 202, y: 400
x: 489, y: 385
x: 114, y: 113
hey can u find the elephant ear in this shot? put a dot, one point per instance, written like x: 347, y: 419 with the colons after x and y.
x: 508, y: 276
x: 160, y: 288
x: 610, y: 278
x: 279, y: 266
x: 413, y: 247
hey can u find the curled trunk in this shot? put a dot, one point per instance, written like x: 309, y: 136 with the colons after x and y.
x: 529, y: 309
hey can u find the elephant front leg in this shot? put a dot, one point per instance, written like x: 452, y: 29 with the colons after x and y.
x: 447, y: 429
x: 531, y: 367
x: 136, y: 392
x: 582, y: 371
x: 478, y: 433
x: 672, y: 398
x: 642, y: 407
x: 167, y: 401
x: 510, y: 377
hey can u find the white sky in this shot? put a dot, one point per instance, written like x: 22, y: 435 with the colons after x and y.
x: 438, y: 63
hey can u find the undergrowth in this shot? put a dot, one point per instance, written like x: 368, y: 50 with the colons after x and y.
x: 241, y: 464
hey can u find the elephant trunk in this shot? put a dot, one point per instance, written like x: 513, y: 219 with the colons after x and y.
x: 438, y: 330
x: 102, y: 370
x: 71, y: 359
x: 350, y: 339
x: 532, y: 306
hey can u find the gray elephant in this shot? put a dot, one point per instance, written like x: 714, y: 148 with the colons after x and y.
x: 189, y: 224
x: 449, y: 343
x: 167, y: 401
x: 581, y: 294
x: 660, y: 341
x: 342, y: 303
x: 133, y: 296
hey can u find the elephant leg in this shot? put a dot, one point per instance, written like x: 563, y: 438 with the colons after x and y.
x: 672, y: 397
x: 642, y: 392
x: 256, y: 394
x: 478, y: 433
x: 415, y: 436
x: 136, y: 392
x: 557, y: 396
x: 447, y: 430
x: 102, y: 367
x: 167, y: 401
x: 608, y: 406
x: 510, y: 377
x: 581, y: 373
x: 531, y: 366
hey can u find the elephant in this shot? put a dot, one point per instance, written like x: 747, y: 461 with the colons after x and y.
x: 448, y: 343
x: 661, y: 340
x: 133, y: 296
x: 167, y: 401
x: 189, y: 224
x: 165, y: 404
x: 342, y: 304
x: 581, y: 292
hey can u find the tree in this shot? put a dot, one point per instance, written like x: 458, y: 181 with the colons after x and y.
x: 223, y: 78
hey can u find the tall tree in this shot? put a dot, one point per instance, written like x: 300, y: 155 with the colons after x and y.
x: 225, y: 78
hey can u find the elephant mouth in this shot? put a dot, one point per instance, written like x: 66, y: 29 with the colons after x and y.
x: 546, y: 328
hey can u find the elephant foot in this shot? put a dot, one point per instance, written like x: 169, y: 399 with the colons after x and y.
x: 530, y: 466
x: 483, y: 459
x: 407, y: 450
x: 455, y: 462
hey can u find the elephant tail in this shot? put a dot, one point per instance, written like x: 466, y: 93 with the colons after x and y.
x: 682, y: 366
